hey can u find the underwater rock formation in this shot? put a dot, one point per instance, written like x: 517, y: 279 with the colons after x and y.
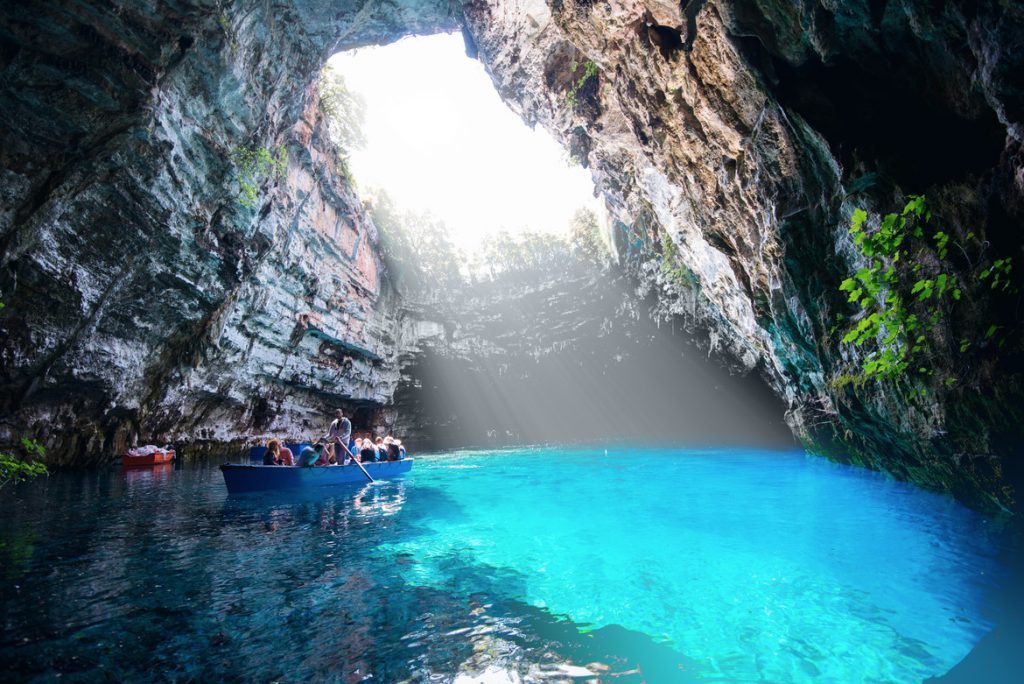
x: 142, y: 297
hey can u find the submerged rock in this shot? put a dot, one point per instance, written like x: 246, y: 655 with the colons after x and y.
x: 143, y: 297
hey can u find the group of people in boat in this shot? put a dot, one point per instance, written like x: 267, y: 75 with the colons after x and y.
x: 338, y: 447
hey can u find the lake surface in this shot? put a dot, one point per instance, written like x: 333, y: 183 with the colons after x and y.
x: 653, y: 565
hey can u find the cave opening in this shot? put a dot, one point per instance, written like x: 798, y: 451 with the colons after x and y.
x: 424, y: 129
x: 492, y: 234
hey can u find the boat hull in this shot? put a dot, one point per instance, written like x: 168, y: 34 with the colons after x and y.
x: 148, y: 460
x: 257, y: 478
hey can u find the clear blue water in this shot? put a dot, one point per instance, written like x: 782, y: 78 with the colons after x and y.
x: 532, y: 565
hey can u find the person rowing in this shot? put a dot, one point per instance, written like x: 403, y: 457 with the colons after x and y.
x: 338, y: 433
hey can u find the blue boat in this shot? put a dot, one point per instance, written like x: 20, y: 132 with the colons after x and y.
x: 254, y: 478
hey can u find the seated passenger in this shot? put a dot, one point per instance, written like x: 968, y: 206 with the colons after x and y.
x: 382, y: 449
x: 390, y: 448
x: 393, y: 453
x: 270, y: 455
x: 310, y: 455
x: 368, y: 452
x: 277, y: 454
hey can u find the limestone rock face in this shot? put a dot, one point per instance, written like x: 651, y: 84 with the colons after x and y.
x: 144, y: 298
x: 746, y: 133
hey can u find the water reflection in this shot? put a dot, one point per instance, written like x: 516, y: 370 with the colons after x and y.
x: 161, y: 575
x: 144, y: 477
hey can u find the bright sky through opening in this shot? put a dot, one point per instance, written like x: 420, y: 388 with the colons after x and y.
x: 440, y: 140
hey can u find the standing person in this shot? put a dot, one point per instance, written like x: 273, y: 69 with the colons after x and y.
x: 339, y: 432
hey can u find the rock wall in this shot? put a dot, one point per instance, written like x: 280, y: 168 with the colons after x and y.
x: 746, y: 132
x: 141, y: 297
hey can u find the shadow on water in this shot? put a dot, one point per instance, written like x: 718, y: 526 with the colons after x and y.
x: 998, y: 658
x: 146, y: 578
x: 533, y: 643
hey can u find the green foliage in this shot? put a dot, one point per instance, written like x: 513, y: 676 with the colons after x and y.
x: 225, y: 25
x: 345, y: 172
x: 589, y: 71
x: 907, y: 291
x: 530, y: 252
x: 33, y: 448
x: 256, y: 165
x: 671, y: 266
x: 856, y: 380
x: 585, y: 235
x: 421, y: 256
x: 533, y: 252
x: 895, y: 324
x: 998, y: 274
x: 15, y: 470
x: 345, y: 111
x: 416, y: 247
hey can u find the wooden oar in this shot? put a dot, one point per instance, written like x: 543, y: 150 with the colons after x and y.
x: 355, y: 459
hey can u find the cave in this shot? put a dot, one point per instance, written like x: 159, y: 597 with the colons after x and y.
x: 855, y: 108
x: 187, y: 259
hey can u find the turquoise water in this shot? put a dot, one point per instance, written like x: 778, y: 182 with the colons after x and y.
x: 541, y: 564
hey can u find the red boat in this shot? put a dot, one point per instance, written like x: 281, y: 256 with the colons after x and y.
x: 155, y: 458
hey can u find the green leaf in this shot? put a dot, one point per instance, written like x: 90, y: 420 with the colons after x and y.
x: 991, y: 331
x: 859, y: 217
